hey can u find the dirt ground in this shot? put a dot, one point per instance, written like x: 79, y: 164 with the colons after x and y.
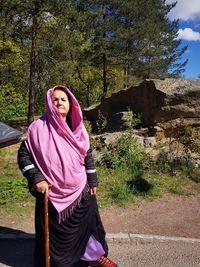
x: 170, y: 215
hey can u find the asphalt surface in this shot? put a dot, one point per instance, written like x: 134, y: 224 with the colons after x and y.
x: 126, y: 249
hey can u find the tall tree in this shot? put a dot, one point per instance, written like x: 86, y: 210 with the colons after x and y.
x: 148, y: 39
x: 29, y: 19
x: 94, y: 47
x: 99, y: 35
x: 12, y: 67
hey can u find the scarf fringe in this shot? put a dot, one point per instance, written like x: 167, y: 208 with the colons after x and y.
x: 67, y: 213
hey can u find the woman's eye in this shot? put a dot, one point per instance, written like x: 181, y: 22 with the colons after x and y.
x: 62, y: 99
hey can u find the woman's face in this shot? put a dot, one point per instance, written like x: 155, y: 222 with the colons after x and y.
x: 61, y: 101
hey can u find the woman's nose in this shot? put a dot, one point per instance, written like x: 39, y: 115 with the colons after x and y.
x: 59, y: 101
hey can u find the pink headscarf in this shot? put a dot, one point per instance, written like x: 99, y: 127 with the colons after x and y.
x: 59, y: 152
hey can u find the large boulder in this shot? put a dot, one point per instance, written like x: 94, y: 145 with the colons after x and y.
x: 154, y: 100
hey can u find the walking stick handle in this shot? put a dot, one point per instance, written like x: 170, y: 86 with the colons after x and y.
x: 46, y: 230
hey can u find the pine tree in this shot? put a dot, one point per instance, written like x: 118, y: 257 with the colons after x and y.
x: 93, y: 47
x: 148, y: 40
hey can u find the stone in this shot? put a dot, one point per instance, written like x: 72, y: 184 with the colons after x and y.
x: 155, y: 101
x: 150, y: 142
x: 119, y: 121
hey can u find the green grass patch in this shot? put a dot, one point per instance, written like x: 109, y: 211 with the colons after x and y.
x: 120, y: 186
x: 15, y: 197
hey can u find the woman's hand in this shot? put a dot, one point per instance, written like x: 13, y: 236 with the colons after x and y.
x: 93, y: 190
x: 42, y: 187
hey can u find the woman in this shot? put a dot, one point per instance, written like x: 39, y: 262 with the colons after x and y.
x: 57, y: 159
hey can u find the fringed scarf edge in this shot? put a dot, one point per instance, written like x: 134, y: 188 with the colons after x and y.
x: 67, y: 212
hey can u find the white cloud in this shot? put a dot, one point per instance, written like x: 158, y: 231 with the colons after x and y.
x: 188, y: 34
x: 185, y: 9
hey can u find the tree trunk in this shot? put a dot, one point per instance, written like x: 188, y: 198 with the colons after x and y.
x: 105, y: 85
x: 126, y: 68
x: 126, y: 75
x: 33, y: 70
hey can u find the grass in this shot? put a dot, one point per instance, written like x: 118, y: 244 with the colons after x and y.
x: 15, y: 197
x: 122, y: 188
x: 115, y: 186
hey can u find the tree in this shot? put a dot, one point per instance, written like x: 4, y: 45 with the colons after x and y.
x: 150, y: 48
x: 28, y: 18
x: 98, y: 29
x: 95, y: 47
x: 12, y: 71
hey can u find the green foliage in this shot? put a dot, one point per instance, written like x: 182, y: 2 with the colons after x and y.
x: 121, y: 194
x: 13, y: 65
x: 126, y: 153
x: 176, y: 188
x: 163, y: 164
x: 136, y: 121
x: 129, y: 152
x: 12, y: 103
x: 102, y: 47
x: 88, y: 127
x: 101, y: 122
x: 184, y: 141
x: 10, y: 55
x: 15, y: 196
x: 195, y: 175
x: 190, y: 139
x: 148, y: 40
x: 126, y: 160
x: 119, y: 185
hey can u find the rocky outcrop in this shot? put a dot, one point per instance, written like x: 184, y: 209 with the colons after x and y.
x: 155, y: 101
x: 119, y: 121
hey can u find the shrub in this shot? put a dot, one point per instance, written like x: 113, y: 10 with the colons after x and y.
x: 12, y: 103
x: 101, y: 122
x: 88, y: 127
x: 125, y: 153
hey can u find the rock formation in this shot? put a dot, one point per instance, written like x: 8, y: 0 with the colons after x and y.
x: 155, y: 101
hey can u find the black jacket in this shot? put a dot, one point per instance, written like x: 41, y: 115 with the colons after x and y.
x: 30, y: 170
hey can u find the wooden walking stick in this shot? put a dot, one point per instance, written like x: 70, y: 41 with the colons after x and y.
x: 46, y: 230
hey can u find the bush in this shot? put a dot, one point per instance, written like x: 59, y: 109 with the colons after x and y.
x: 163, y: 164
x: 126, y: 160
x: 12, y: 103
x: 126, y: 153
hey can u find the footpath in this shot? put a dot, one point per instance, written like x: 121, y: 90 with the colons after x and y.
x: 128, y: 250
x: 163, y: 223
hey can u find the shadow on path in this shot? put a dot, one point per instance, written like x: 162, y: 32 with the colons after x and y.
x: 17, y: 248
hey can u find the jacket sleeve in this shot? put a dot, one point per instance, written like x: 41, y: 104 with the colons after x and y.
x: 90, y: 169
x: 28, y: 167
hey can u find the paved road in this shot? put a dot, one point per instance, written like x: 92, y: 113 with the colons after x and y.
x: 135, y: 252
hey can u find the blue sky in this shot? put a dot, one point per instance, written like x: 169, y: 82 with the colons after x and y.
x: 188, y: 13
